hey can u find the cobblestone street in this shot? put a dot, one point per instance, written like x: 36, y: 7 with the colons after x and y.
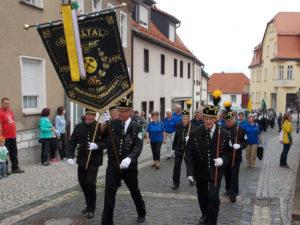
x: 45, y: 193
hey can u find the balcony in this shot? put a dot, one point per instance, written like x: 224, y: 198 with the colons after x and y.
x: 284, y: 83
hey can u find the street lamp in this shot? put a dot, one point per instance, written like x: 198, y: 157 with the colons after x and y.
x: 298, y: 109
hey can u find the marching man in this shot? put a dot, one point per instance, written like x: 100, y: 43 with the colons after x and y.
x: 83, y: 136
x: 124, y: 145
x: 237, y: 143
x: 207, y: 153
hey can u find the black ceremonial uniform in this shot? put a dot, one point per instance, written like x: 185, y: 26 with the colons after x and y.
x: 82, y: 134
x: 130, y: 145
x: 232, y: 173
x: 200, y: 153
x: 179, y: 145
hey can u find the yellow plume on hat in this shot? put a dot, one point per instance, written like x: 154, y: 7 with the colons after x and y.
x: 217, y: 93
x: 227, y: 104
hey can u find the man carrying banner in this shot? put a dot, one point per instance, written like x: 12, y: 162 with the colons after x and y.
x: 237, y: 143
x: 206, y: 151
x: 125, y: 143
x: 83, y: 135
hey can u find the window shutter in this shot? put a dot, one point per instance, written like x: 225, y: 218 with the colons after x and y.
x: 30, y: 77
x: 123, y: 28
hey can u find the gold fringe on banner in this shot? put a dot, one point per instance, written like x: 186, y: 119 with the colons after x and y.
x: 70, y: 42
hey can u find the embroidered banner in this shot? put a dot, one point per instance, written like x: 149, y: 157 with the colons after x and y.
x: 107, y: 79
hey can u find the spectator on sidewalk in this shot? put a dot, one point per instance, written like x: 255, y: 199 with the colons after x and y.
x: 170, y: 127
x: 9, y: 131
x: 279, y: 122
x: 3, y: 157
x: 198, y: 118
x: 253, y: 137
x: 143, y: 123
x: 241, y: 119
x: 45, y: 135
x: 287, y: 139
x: 60, y: 126
x: 156, y: 136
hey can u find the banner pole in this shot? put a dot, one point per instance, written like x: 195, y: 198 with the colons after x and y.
x: 94, y: 137
x: 27, y: 26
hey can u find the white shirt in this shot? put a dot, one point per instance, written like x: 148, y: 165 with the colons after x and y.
x: 212, y: 131
x: 127, y: 124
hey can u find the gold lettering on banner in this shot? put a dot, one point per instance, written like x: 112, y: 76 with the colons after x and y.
x: 93, y: 32
x: 60, y: 41
x: 64, y: 68
x: 110, y: 20
x: 93, y: 81
x: 86, y: 47
x: 46, y: 34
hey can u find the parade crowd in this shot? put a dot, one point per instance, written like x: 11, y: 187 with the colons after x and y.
x: 210, y: 144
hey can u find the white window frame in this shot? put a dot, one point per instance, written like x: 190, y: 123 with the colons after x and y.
x: 280, y: 72
x: 290, y: 70
x: 231, y: 98
x: 34, y: 3
x: 124, y: 34
x: 172, y: 35
x: 42, y: 90
x: 94, y: 9
x: 141, y: 22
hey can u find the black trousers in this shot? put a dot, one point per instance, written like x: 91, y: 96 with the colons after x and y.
x: 155, y: 147
x: 112, y: 183
x: 53, y: 147
x: 209, y: 201
x: 45, y: 149
x: 87, y: 180
x: 284, y: 154
x: 232, y: 178
x: 177, y: 169
x: 61, y: 145
x: 11, y: 145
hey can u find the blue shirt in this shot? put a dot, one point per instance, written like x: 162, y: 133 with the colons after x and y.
x: 242, y: 123
x: 60, y: 124
x: 156, y: 130
x: 170, y: 125
x: 221, y: 122
x: 177, y: 117
x: 252, y: 132
x: 197, y: 123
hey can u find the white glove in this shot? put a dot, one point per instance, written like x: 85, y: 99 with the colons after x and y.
x: 187, y: 138
x: 236, y: 146
x: 93, y: 146
x: 190, y: 178
x: 71, y: 162
x: 125, y: 163
x: 218, y: 162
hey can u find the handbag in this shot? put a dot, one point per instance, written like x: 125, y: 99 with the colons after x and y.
x: 260, y: 152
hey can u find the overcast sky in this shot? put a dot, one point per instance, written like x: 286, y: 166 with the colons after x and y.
x: 223, y: 33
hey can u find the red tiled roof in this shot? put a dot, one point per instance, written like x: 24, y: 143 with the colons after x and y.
x: 287, y: 26
x: 228, y: 83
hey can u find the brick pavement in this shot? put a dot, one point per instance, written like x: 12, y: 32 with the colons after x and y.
x: 265, y: 196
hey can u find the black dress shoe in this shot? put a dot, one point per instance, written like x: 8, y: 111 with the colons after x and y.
x: 232, y: 199
x: 90, y: 215
x: 8, y: 173
x: 84, y: 211
x: 141, y: 219
x: 17, y: 171
x: 192, y: 183
x: 175, y: 186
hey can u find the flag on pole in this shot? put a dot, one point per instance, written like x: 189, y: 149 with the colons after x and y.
x: 249, y: 105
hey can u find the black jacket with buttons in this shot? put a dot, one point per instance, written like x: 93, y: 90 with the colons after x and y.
x: 239, y: 139
x: 179, y: 142
x: 201, y: 152
x: 129, y: 146
x: 82, y: 134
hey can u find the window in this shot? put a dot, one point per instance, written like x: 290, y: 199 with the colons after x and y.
x: 162, y: 64
x: 151, y: 106
x: 96, y: 5
x: 33, y: 84
x: 189, y: 71
x: 175, y: 67
x: 280, y: 72
x: 266, y: 72
x: 37, y: 3
x: 143, y: 16
x: 181, y: 68
x: 233, y: 98
x: 290, y: 72
x: 211, y: 98
x: 172, y: 32
x: 146, y: 60
x: 123, y: 28
x: 144, y: 108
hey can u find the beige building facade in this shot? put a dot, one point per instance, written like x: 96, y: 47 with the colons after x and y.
x: 275, y: 67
